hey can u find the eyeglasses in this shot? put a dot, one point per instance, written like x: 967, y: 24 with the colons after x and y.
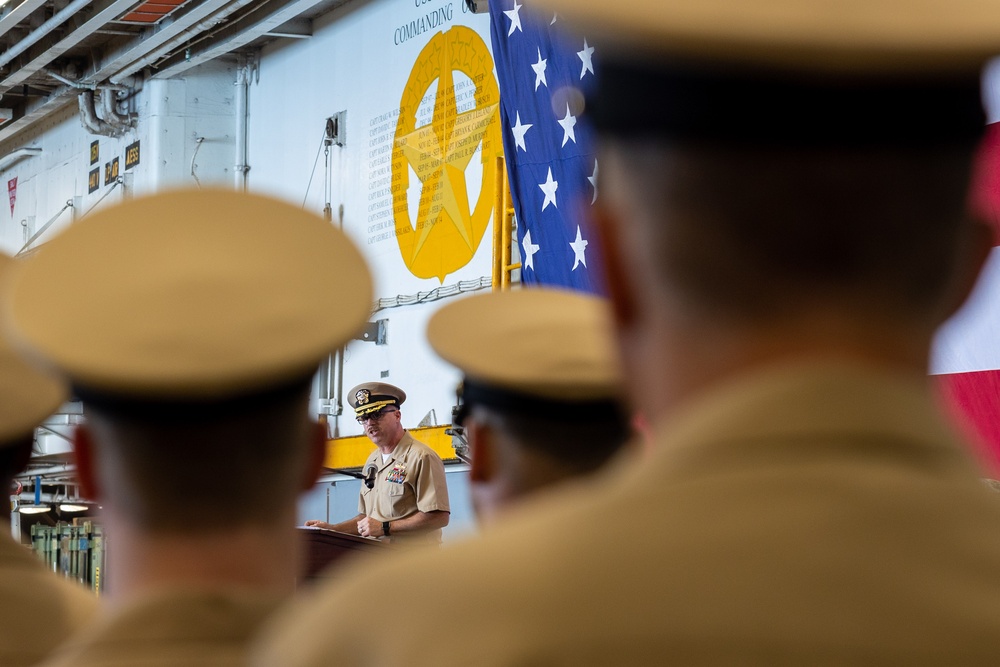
x: 374, y: 416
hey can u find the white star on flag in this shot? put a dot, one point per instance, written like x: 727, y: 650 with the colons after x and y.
x: 519, y: 131
x: 539, y: 68
x: 593, y: 181
x: 560, y: 162
x: 568, y: 123
x: 579, y: 247
x: 515, y: 18
x: 549, y: 187
x: 586, y: 56
x: 529, y: 251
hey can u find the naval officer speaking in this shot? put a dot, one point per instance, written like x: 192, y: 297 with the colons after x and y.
x: 404, y: 498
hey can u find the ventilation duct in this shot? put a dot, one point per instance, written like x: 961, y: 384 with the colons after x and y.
x: 109, y: 123
x: 109, y: 111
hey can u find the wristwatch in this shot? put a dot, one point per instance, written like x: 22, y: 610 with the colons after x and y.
x: 385, y: 527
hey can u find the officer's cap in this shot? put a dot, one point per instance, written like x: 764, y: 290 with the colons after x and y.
x: 190, y: 295
x: 27, y: 394
x: 792, y: 72
x: 542, y: 343
x: 855, y: 35
x: 369, y: 397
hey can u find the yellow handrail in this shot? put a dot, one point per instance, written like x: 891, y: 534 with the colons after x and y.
x: 503, y: 230
x: 498, y: 212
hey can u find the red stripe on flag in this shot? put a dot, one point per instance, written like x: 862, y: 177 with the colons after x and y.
x: 984, y: 192
x: 972, y: 400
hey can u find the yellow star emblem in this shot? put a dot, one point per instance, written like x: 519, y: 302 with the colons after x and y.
x: 448, y: 229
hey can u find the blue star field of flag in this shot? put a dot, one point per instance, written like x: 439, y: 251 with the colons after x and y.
x: 551, y: 157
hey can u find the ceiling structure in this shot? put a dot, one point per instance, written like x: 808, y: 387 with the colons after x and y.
x: 54, y: 53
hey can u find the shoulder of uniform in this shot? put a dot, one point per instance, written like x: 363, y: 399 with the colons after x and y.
x: 416, y: 445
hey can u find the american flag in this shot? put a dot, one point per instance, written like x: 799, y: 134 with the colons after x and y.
x: 966, y: 359
x: 551, y: 156
x: 551, y: 159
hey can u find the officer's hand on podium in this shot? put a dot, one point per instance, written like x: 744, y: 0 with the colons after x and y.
x: 316, y: 523
x: 368, y: 527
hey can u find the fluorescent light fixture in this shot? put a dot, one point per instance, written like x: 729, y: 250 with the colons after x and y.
x: 70, y: 507
x: 34, y: 509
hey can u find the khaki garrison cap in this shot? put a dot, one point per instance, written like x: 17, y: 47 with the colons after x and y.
x: 370, y: 397
x: 197, y: 294
x: 553, y: 344
x: 884, y: 35
x: 27, y: 395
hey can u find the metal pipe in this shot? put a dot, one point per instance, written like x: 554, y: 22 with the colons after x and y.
x: 118, y: 181
x: 68, y: 82
x: 242, y: 86
x: 32, y: 38
x: 34, y: 237
x: 88, y: 116
x: 110, y: 114
x: 13, y: 157
x: 18, y: 14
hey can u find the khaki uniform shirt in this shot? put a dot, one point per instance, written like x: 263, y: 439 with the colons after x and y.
x: 176, y: 628
x: 814, y: 515
x: 39, y: 609
x: 411, y: 481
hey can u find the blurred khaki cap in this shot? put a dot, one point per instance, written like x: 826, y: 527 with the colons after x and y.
x: 27, y: 395
x: 878, y: 35
x: 373, y: 396
x: 551, y: 343
x: 190, y: 294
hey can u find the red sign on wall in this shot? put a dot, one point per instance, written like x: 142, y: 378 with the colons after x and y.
x: 12, y: 193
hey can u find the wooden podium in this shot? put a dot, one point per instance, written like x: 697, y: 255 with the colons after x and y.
x: 325, y: 547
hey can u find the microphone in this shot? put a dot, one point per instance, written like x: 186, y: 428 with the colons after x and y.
x: 370, y: 471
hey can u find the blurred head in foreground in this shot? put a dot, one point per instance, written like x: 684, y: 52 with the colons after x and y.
x: 825, y: 216
x: 782, y: 204
x: 190, y: 324
x: 27, y: 397
x: 541, y: 392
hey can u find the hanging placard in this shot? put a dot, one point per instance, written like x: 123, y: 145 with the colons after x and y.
x: 12, y: 193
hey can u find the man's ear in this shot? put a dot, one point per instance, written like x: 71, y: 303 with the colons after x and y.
x: 482, y: 450
x: 84, y: 454
x: 619, y: 284
x: 316, y: 455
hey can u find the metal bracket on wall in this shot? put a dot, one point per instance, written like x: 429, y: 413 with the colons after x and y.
x: 376, y: 332
x: 336, y: 129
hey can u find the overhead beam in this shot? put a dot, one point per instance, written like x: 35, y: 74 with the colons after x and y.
x: 119, y: 63
x: 104, y: 11
x: 36, y: 35
x: 18, y: 14
x: 237, y: 36
x: 56, y: 102
x: 294, y: 29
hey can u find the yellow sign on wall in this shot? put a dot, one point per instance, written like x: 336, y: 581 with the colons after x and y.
x: 448, y: 227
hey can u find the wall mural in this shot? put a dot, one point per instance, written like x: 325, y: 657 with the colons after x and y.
x: 464, y: 125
